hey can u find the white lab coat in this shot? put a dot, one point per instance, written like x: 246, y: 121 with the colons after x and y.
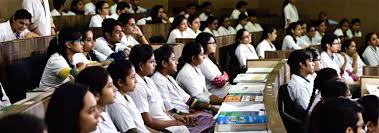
x: 213, y: 32
x: 211, y: 71
x: 290, y: 44
x: 102, y: 46
x: 371, y: 56
x: 222, y: 31
x: 290, y: 12
x: 300, y: 90
x: 178, y: 34
x: 244, y: 52
x: 6, y: 33
x: 40, y: 15
x: 236, y: 13
x: 264, y: 46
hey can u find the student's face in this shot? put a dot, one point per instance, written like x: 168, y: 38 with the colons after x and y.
x: 196, y: 24
x: 303, y: 29
x: 198, y: 59
x: 105, y: 9
x: 75, y: 46
x: 211, y: 47
x: 20, y: 24
x: 297, y: 31
x: 272, y: 36
x: 160, y: 12
x: 129, y: 82
x: 108, y: 92
x: 149, y: 67
x: 89, y: 114
x: 335, y: 46
x: 253, y: 19
x: 374, y: 40
x: 356, y: 26
x: 131, y: 26
x: 116, y: 34
x: 243, y: 22
x: 312, y: 32
x: 172, y: 63
x: 227, y: 22
x: 322, y: 27
x: 317, y: 63
x: 345, y: 26
x: 80, y: 6
x: 208, y: 10
x: 352, y: 49
x: 246, y: 38
x: 88, y: 42
x: 360, y: 124
x: 192, y: 10
x: 243, y: 9
x: 309, y: 67
x: 214, y: 25
x: 183, y: 25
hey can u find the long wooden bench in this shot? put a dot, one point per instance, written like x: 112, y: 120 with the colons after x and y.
x: 277, y: 54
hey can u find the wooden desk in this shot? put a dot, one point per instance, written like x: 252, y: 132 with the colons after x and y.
x: 277, y: 54
x: 77, y: 21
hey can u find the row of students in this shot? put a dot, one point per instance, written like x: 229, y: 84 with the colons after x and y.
x: 77, y: 8
x: 134, y: 7
x: 347, y: 30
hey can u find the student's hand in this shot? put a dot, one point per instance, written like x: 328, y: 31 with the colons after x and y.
x: 355, y: 56
x: 138, y: 31
x: 164, y: 16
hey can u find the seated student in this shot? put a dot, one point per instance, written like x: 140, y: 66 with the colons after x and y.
x: 72, y: 109
x: 58, y: 68
x: 343, y: 27
x: 178, y: 101
x: 16, y: 27
x: 4, y: 100
x: 303, y: 25
x: 178, y: 29
x: 90, y: 8
x: 206, y: 8
x: 245, y: 50
x: 102, y: 12
x: 370, y: 113
x: 123, y: 112
x: 355, y: 29
x: 371, y: 53
x: 30, y: 123
x: 190, y: 77
x: 300, y: 87
x: 42, y: 22
x: 322, y: 16
x: 354, y: 64
x: 147, y: 98
x: 323, y: 75
x: 101, y: 86
x: 131, y: 29
x: 316, y: 58
x: 175, y: 99
x: 253, y: 25
x: 89, y: 56
x: 110, y: 42
x: 77, y: 7
x: 241, y: 7
x: 212, y: 25
x: 266, y: 44
x: 157, y: 15
x: 113, y: 9
x: 194, y: 26
x: 290, y: 12
x: 135, y: 7
x: 242, y: 22
x: 59, y: 9
x: 217, y: 80
x: 321, y: 30
x: 292, y: 40
x: 336, y: 116
x: 225, y: 28
x: 122, y: 7
x: 191, y: 10
x: 330, y: 45
x: 310, y: 36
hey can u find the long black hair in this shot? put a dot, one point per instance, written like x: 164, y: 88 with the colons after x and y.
x: 203, y: 39
x: 63, y: 110
x: 175, y: 24
x: 266, y: 31
x: 118, y: 70
x: 154, y: 14
x: 95, y: 77
x: 190, y: 50
x: 162, y: 54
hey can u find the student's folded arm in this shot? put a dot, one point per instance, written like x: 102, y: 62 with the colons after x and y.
x: 157, y: 124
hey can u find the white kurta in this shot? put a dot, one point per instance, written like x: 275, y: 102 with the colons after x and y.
x: 236, y: 13
x: 192, y: 81
x: 264, y: 46
x: 371, y: 56
x: 211, y: 71
x: 105, y: 124
x: 102, y: 46
x: 90, y: 9
x: 222, y: 31
x: 173, y: 95
x: 40, y: 15
x: 96, y: 21
x: 290, y: 44
x: 125, y: 115
x: 253, y: 27
x: 213, y: 32
x: 244, y: 52
x: 177, y: 34
x: 6, y: 33
x: 53, y: 66
x: 300, y: 90
x: 290, y: 12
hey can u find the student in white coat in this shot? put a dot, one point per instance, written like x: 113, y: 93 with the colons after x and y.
x: 354, y: 64
x: 212, y: 25
x: 371, y: 53
x: 242, y: 22
x: 321, y: 30
x: 175, y: 99
x: 355, y: 29
x: 241, y: 7
x: 194, y: 26
x: 244, y: 50
x: 43, y: 24
x: 136, y: 8
x: 102, y: 12
x: 268, y: 36
x: 342, y: 29
x: 110, y: 42
x: 59, y: 9
x: 77, y: 7
x: 178, y: 29
x: 124, y: 112
x: 217, y: 80
x: 292, y: 40
x: 101, y: 85
x: 225, y: 28
x: 253, y: 25
x: 300, y: 87
x: 90, y: 8
x: 113, y: 9
x: 290, y: 12
x: 122, y: 7
x: 16, y: 27
x: 206, y: 7
x: 310, y: 36
x: 131, y: 30
x: 147, y: 98
x: 190, y: 77
x: 61, y: 51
